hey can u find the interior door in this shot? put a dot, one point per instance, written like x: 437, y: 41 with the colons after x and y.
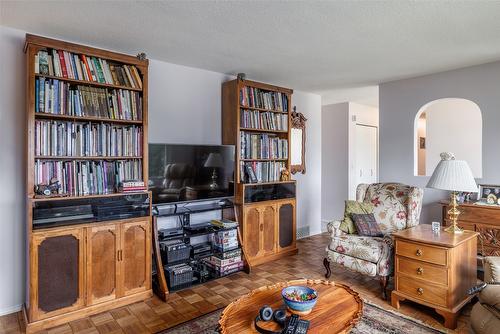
x: 366, y: 154
x: 57, y: 272
x: 103, y: 243
x: 135, y: 257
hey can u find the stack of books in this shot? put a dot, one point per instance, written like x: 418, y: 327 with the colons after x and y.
x: 80, y: 178
x: 63, y: 138
x: 129, y: 186
x: 255, y: 119
x: 60, y: 98
x: 226, y: 240
x: 69, y: 65
x: 258, y: 98
x: 224, y: 223
x: 262, y: 146
x: 225, y: 263
x: 261, y: 171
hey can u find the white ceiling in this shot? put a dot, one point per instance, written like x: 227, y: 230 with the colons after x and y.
x: 307, y: 45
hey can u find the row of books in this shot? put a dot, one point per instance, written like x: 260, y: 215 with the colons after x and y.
x: 255, y: 119
x: 258, y: 98
x: 80, y: 67
x: 80, y: 178
x: 262, y: 146
x: 57, y: 97
x: 62, y: 138
x: 258, y: 171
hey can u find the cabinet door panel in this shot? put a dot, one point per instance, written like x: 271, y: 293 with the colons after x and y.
x: 251, y: 231
x: 56, y: 272
x: 286, y: 219
x: 268, y: 232
x: 136, y: 257
x: 102, y: 263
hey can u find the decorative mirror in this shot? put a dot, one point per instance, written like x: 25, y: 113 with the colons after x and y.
x: 298, y: 142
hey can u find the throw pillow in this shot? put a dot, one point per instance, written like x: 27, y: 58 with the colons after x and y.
x: 366, y: 225
x: 347, y: 225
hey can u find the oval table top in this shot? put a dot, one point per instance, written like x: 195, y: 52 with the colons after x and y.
x: 337, y: 310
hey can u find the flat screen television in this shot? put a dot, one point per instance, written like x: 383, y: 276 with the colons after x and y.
x: 181, y: 173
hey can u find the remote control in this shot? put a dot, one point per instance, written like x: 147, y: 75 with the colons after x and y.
x: 302, y: 327
x: 476, y: 289
x: 292, y: 324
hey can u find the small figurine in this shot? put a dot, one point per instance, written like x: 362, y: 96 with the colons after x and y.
x: 285, y: 175
x: 48, y: 189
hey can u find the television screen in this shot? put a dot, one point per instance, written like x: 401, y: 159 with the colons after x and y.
x: 180, y: 173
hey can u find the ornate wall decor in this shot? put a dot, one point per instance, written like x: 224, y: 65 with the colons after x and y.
x: 298, y: 142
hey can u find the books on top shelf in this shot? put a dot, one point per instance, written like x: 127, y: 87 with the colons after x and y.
x: 262, y: 146
x: 80, y: 178
x: 53, y: 96
x: 255, y: 119
x: 65, y: 64
x: 261, y: 171
x: 223, y: 223
x: 65, y: 138
x: 258, y: 98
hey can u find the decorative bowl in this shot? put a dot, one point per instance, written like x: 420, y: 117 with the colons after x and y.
x: 299, y: 299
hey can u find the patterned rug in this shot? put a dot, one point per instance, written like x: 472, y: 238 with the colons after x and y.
x: 375, y: 320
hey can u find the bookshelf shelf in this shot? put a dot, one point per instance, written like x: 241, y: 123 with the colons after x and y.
x: 263, y: 109
x: 87, y: 118
x: 124, y: 157
x: 263, y: 130
x: 267, y: 183
x: 87, y: 83
x: 263, y: 159
x: 63, y: 198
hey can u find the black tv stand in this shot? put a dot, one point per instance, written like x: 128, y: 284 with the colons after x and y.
x: 178, y: 243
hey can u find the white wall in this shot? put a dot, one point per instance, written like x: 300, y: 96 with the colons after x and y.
x: 184, y: 107
x: 334, y: 160
x: 309, y: 184
x: 463, y: 135
x: 401, y: 100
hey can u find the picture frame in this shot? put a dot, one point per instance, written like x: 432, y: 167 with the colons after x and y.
x: 489, y: 193
x: 436, y: 227
x: 422, y: 143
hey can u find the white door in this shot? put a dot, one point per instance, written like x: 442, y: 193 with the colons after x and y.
x: 366, y: 154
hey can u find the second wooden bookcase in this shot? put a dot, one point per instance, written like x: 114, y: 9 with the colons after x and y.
x: 267, y: 215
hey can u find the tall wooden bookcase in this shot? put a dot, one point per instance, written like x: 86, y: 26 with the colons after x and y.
x: 76, y: 270
x: 266, y: 210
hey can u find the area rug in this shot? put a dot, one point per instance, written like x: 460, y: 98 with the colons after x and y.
x: 375, y: 320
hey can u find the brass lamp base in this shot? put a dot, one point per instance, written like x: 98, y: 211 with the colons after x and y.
x: 453, y: 213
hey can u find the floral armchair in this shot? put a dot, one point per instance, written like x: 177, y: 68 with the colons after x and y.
x: 396, y: 207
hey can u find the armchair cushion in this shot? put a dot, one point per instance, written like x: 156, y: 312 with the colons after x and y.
x: 366, y: 225
x: 347, y: 224
x: 359, y: 247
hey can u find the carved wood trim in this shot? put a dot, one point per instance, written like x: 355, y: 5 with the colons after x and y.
x: 298, y: 121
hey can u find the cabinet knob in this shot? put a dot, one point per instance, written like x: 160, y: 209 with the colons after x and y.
x: 420, y: 291
x: 419, y: 252
x: 420, y: 271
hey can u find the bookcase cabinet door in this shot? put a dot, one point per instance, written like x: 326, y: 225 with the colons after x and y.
x: 103, y: 244
x: 56, y: 272
x: 251, y: 231
x: 268, y: 222
x: 135, y: 257
x: 286, y: 225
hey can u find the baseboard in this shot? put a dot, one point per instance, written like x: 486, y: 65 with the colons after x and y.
x: 11, y: 309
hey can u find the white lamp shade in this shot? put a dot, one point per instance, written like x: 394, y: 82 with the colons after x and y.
x: 453, y: 175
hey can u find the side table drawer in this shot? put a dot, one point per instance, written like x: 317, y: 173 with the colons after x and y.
x: 422, y: 290
x: 422, y: 270
x: 421, y: 252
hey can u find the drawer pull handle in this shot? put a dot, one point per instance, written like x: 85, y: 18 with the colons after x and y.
x: 419, y: 252
x: 420, y: 271
x: 420, y: 291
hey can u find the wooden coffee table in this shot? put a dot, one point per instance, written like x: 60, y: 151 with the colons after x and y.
x: 337, y: 310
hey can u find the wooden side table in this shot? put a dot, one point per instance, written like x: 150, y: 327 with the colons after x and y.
x: 435, y: 269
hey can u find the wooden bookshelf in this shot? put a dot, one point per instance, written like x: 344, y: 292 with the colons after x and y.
x: 268, y: 226
x: 100, y: 251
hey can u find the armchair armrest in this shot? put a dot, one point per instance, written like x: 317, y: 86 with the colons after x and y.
x: 492, y: 269
x: 334, y: 229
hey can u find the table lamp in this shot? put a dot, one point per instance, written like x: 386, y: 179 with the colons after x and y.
x: 452, y: 175
x: 214, y: 161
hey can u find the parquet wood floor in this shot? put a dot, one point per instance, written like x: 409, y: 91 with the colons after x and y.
x: 154, y: 315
